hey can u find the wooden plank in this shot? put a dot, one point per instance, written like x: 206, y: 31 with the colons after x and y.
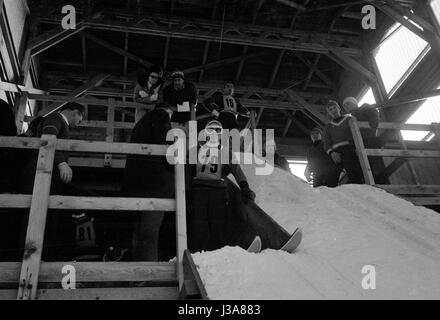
x: 410, y: 189
x: 109, y: 135
x: 360, y: 151
x: 293, y: 97
x: 117, y: 50
x: 20, y: 110
x: 87, y: 146
x: 147, y: 293
x: 80, y: 90
x: 409, y: 163
x: 403, y: 153
x: 154, y: 272
x: 191, y: 273
x: 12, y: 87
x: 392, y: 167
x: 91, y: 203
x: 94, y: 101
x: 37, y: 220
x: 398, y: 126
x: 424, y: 201
x: 181, y: 240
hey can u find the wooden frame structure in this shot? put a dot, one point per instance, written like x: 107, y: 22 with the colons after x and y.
x: 431, y: 194
x: 40, y: 201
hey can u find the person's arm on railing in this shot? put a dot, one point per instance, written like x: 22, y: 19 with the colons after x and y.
x: 53, y: 127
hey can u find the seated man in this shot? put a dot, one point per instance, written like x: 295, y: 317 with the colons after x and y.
x: 225, y: 107
x: 319, y: 164
x: 338, y: 143
x: 180, y: 95
x: 208, y: 220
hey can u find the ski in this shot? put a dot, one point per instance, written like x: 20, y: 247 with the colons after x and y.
x: 292, y: 244
x: 255, y: 246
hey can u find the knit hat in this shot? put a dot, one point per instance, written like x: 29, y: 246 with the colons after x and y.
x: 350, y: 100
x: 331, y: 103
x: 178, y: 74
x: 213, y: 125
x: 316, y: 129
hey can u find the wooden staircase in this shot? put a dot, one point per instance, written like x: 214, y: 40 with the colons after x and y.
x: 34, y: 279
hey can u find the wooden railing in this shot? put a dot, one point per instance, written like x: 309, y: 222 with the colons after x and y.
x: 431, y: 192
x: 41, y: 200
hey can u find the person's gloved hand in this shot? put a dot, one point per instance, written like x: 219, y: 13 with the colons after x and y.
x: 246, y: 193
x: 65, y: 172
x: 336, y: 157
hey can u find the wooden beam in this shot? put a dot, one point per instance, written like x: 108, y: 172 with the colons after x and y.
x: 221, y: 63
x: 424, y: 201
x: 20, y: 110
x: 87, y: 146
x: 13, y: 87
x: 410, y: 189
x: 95, y: 81
x: 84, y: 52
x: 98, y: 272
x: 360, y: 151
x: 291, y: 117
x: 403, y: 153
x: 117, y: 50
x: 30, y: 267
x: 52, y: 37
x: 181, y: 239
x: 293, y: 97
x: 386, y: 173
x: 91, y: 203
x: 292, y: 4
x: 249, y: 39
x: 145, y: 293
x: 352, y: 65
x: 207, y: 44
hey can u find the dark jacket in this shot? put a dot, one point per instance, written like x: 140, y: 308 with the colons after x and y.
x: 337, y: 133
x: 7, y: 155
x: 53, y: 124
x: 369, y: 114
x: 221, y: 103
x: 173, y: 97
x: 56, y: 125
x: 149, y: 176
x: 318, y: 160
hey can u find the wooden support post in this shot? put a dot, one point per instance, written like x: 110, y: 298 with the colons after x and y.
x: 260, y: 113
x: 181, y: 243
x: 411, y: 168
x: 360, y: 150
x: 30, y: 267
x: 253, y: 117
x: 436, y: 129
x: 20, y: 110
x: 94, y: 82
x: 109, y: 136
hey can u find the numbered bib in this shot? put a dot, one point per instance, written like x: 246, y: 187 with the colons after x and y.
x: 230, y: 104
x: 85, y: 234
x: 209, y: 168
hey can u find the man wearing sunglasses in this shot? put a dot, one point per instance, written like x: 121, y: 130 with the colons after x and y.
x: 148, y: 90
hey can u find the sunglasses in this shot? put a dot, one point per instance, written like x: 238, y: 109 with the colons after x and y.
x: 154, y: 77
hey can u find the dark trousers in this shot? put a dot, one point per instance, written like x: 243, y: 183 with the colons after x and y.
x: 350, y: 162
x: 228, y: 120
x: 207, y: 221
x: 328, y: 177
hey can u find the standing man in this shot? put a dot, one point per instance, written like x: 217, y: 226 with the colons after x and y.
x: 180, y: 95
x: 226, y: 107
x: 58, y: 124
x: 149, y: 177
x: 338, y: 143
x: 148, y: 90
x: 60, y: 235
x: 364, y: 113
x: 319, y: 164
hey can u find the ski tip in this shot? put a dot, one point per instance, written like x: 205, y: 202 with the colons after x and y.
x: 255, y: 246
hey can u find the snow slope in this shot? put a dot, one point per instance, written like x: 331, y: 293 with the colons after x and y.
x: 345, y: 228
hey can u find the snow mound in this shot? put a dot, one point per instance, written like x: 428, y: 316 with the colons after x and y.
x: 345, y: 229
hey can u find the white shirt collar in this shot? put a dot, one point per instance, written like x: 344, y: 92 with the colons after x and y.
x: 65, y: 119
